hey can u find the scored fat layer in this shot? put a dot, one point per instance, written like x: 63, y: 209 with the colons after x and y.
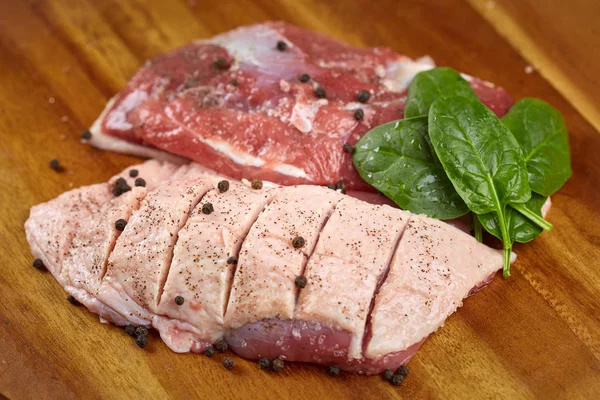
x: 204, y: 260
x: 269, y: 262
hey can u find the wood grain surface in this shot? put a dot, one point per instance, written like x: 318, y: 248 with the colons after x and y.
x: 535, y: 335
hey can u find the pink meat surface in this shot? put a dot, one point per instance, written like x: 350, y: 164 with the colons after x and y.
x: 235, y: 103
x: 379, y: 280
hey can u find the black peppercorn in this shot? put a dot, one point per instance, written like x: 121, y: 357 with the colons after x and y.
x: 363, y: 96
x: 120, y: 181
x: 300, y: 282
x: 278, y: 364
x: 55, y: 165
x: 133, y: 173
x: 72, y: 300
x: 330, y: 186
x: 397, y: 380
x: 264, y: 363
x: 232, y: 260
x: 179, y: 300
x: 359, y: 114
x: 348, y: 148
x: 228, y: 363
x: 388, y: 374
x: 221, y: 345
x: 333, y: 370
x: 208, y: 208
x: 221, y: 63
x: 140, y: 182
x: 130, y: 329
x: 209, y: 351
x: 402, y: 370
x: 304, y: 78
x: 116, y: 191
x: 320, y: 92
x: 223, y: 186
x: 257, y: 184
x: 298, y: 242
x: 234, y: 82
x: 341, y: 186
x: 281, y: 45
x: 120, y: 224
x: 141, y: 341
x: 86, y: 135
x: 141, y: 331
x: 39, y: 264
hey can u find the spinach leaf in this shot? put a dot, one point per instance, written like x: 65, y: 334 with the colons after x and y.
x: 397, y: 159
x: 540, y: 130
x: 430, y: 85
x: 482, y: 159
x: 520, y: 228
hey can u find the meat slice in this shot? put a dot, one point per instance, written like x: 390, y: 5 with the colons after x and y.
x: 269, y: 262
x: 139, y: 263
x: 204, y: 260
x: 433, y: 270
x: 236, y: 103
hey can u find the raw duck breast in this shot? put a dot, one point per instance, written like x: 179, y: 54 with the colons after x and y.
x: 269, y: 101
x: 302, y: 273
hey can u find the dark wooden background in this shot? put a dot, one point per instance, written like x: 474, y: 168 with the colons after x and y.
x: 535, y: 335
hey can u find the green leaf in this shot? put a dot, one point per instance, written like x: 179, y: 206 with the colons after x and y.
x: 540, y: 130
x: 480, y: 155
x: 430, y: 85
x: 482, y: 159
x: 520, y: 228
x: 397, y: 159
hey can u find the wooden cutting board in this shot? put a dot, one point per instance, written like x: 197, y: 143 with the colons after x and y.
x: 536, y: 334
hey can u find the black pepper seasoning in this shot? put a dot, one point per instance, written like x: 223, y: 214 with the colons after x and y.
x: 223, y: 186
x: 39, y: 264
x: 320, y: 92
x: 388, y: 374
x: 341, y: 186
x: 359, y: 114
x: 278, y: 364
x: 232, y: 260
x: 333, y: 370
x: 72, y: 300
x: 228, y: 363
x: 221, y: 345
x: 363, y: 96
x: 234, y: 82
x: 141, y: 341
x: 264, y: 363
x: 397, y: 380
x: 330, y: 186
x: 121, y: 187
x: 116, y: 191
x: 300, y: 282
x: 281, y: 45
x: 140, y: 182
x: 348, y: 148
x: 221, y: 63
x: 298, y: 242
x: 257, y: 184
x: 402, y: 370
x: 304, y: 78
x: 141, y: 331
x: 133, y: 173
x: 55, y: 165
x: 208, y: 208
x: 120, y: 224
x: 86, y: 135
x: 179, y: 300
x: 130, y: 329
x: 209, y: 351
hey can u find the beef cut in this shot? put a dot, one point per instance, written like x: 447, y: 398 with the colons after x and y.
x: 242, y: 105
x: 375, y: 281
